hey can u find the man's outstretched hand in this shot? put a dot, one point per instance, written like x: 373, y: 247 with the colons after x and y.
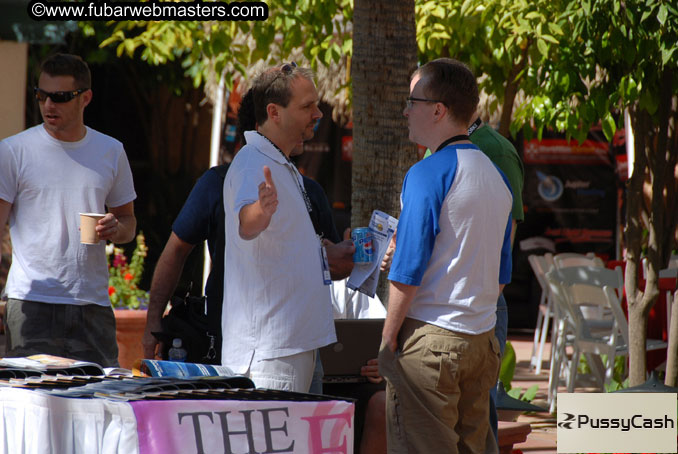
x: 268, y: 194
x: 255, y: 217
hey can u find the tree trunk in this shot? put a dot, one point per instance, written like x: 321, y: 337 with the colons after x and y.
x: 651, y: 160
x: 672, y: 352
x: 510, y: 93
x: 671, y: 223
x: 384, y: 57
x: 634, y: 234
x: 664, y: 205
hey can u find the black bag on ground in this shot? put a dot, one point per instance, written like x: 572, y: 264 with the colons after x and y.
x: 187, y: 321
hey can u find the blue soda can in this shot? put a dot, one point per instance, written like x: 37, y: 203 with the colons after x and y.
x: 362, y: 240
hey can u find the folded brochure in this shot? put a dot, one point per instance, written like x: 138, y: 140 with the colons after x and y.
x: 53, y: 364
x: 157, y: 368
x: 365, y: 277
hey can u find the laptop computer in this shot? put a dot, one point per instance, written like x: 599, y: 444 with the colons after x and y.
x: 357, y: 342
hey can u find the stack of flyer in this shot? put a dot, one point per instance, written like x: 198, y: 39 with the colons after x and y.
x: 49, y: 365
x: 157, y: 368
x: 365, y: 277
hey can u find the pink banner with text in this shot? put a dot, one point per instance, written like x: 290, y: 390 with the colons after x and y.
x: 253, y: 427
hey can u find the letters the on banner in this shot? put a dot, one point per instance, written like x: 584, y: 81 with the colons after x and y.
x: 253, y: 427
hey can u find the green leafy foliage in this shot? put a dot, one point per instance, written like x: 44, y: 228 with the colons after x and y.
x: 506, y: 372
x: 606, y: 49
x: 527, y: 396
x: 587, y: 58
x: 508, y: 366
x: 229, y: 47
x: 507, y: 42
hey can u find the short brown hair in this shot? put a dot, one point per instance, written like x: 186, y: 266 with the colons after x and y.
x: 452, y: 83
x: 273, y: 86
x: 246, y: 119
x: 68, y: 65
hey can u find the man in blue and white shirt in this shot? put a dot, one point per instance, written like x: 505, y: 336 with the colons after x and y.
x: 453, y: 256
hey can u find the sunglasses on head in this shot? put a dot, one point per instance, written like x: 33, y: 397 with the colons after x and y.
x: 57, y: 96
x: 287, y: 68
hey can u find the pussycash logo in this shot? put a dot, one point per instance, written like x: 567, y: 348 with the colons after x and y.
x: 572, y: 421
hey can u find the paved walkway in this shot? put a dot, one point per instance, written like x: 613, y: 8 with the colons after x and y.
x: 542, y: 439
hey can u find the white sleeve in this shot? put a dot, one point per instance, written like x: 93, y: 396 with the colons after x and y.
x: 122, y: 191
x: 8, y: 173
x: 243, y: 184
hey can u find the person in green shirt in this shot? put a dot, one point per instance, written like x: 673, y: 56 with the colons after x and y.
x: 504, y: 155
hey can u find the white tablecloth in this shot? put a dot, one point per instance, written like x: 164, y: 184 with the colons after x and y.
x: 36, y: 423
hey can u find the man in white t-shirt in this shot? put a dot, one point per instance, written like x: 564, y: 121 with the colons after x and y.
x: 57, y: 288
x: 277, y: 308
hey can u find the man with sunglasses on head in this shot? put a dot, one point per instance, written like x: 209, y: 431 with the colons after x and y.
x: 57, y: 287
x: 277, y: 308
x: 439, y: 354
x: 202, y: 218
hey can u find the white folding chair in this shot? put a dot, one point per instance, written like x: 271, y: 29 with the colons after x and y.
x: 567, y: 259
x: 622, y: 325
x: 541, y: 264
x: 590, y: 333
x: 563, y: 333
x: 585, y: 286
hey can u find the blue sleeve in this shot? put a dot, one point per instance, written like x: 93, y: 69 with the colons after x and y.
x: 424, y: 190
x: 506, y: 265
x: 192, y: 224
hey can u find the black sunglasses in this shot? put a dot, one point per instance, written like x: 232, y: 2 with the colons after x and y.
x: 287, y: 68
x: 57, y: 96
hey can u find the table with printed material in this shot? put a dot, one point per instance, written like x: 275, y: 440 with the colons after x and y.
x: 36, y: 422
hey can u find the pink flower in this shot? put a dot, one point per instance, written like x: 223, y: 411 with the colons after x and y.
x: 119, y: 261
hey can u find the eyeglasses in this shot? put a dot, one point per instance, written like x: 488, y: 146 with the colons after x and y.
x: 287, y: 68
x: 57, y: 96
x: 410, y: 101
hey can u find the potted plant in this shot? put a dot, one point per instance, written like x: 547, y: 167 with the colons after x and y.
x: 128, y: 300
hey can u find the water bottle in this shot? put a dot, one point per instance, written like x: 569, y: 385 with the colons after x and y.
x: 177, y: 352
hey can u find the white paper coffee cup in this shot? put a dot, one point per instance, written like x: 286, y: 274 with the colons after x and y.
x: 88, y: 222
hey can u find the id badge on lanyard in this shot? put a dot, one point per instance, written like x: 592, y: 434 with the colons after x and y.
x: 327, y: 279
x: 325, y: 264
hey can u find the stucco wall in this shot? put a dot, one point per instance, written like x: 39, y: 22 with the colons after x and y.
x: 13, y: 60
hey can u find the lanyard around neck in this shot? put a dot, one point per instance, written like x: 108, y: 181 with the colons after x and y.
x: 295, y: 173
x: 457, y: 138
x: 476, y: 124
